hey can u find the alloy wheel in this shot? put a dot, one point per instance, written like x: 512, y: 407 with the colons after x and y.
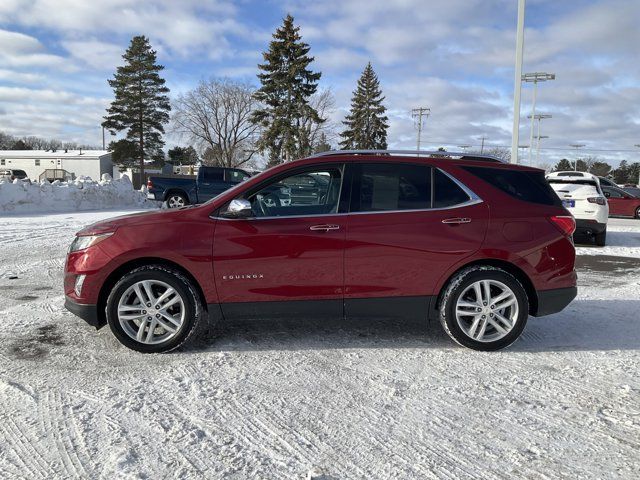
x: 151, y: 312
x: 175, y: 201
x: 487, y: 310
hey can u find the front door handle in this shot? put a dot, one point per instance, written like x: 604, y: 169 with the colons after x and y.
x: 324, y: 227
x: 456, y: 221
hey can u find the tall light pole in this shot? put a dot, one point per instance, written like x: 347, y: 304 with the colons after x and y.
x: 418, y: 113
x: 576, y: 146
x: 538, y: 138
x: 517, y: 85
x: 534, y: 78
x: 538, y: 116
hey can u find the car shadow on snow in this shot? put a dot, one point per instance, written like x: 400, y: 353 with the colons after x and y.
x: 585, y: 325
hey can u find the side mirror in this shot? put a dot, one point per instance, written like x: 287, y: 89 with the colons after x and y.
x: 607, y: 194
x: 238, y: 208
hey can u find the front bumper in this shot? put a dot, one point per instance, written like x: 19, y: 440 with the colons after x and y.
x: 553, y: 301
x: 89, y: 313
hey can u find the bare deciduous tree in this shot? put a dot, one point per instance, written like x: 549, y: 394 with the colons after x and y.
x: 215, y: 116
x: 316, y: 133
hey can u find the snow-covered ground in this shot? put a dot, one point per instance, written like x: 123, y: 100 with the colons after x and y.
x: 382, y: 399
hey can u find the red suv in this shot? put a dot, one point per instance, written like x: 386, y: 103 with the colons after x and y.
x: 474, y: 242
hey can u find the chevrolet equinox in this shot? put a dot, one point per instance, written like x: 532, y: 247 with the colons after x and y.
x: 473, y: 242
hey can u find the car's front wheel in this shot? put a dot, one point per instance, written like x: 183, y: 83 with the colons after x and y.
x: 638, y: 213
x: 154, y: 309
x: 484, y: 308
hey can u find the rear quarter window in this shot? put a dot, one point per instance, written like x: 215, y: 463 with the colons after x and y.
x: 524, y: 185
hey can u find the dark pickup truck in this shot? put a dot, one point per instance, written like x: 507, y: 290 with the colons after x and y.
x: 181, y: 190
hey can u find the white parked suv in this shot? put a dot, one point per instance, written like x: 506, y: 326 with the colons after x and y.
x: 582, y: 195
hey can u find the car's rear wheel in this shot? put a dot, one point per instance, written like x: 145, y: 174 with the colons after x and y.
x: 638, y: 212
x: 601, y: 238
x: 154, y: 309
x: 484, y: 308
x: 177, y: 200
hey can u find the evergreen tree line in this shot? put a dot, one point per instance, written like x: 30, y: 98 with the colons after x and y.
x: 285, y: 118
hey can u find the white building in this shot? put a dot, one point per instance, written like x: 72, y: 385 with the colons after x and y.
x: 41, y: 164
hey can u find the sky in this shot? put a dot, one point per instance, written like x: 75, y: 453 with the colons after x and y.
x: 455, y: 57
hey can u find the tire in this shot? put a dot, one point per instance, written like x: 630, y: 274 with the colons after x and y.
x: 177, y: 200
x: 461, y: 291
x: 184, y: 316
x: 601, y: 238
x: 638, y: 213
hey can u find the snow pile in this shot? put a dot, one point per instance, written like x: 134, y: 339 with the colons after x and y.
x: 80, y: 194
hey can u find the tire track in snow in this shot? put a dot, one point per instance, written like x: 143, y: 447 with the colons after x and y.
x: 24, y: 448
x: 57, y: 425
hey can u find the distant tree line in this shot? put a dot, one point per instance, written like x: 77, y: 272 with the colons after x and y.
x: 625, y: 173
x: 10, y: 142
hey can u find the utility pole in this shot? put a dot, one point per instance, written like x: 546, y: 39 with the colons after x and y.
x: 482, y: 145
x: 535, y: 78
x: 638, y: 145
x: 539, y: 117
x: 576, y: 146
x: 418, y: 113
x: 517, y: 86
x: 103, y: 145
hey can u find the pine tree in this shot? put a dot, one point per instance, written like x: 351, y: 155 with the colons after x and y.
x: 563, y: 165
x: 141, y: 105
x: 286, y: 86
x: 366, y: 125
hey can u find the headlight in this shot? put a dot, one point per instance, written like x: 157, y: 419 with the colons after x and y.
x: 80, y: 243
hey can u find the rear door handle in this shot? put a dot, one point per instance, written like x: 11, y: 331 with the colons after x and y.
x: 324, y: 227
x: 456, y: 221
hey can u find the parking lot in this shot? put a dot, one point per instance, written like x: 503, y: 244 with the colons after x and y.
x: 361, y: 399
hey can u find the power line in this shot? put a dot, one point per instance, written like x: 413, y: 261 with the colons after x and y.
x: 566, y: 149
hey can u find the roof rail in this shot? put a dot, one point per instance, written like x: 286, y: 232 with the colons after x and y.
x: 414, y: 153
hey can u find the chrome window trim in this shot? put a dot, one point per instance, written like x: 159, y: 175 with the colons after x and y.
x: 379, y: 212
x: 473, y: 200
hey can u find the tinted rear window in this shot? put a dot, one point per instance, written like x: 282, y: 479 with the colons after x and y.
x: 446, y: 193
x: 523, y: 185
x: 212, y: 174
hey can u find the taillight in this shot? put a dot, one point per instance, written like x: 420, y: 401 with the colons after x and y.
x: 149, y: 184
x: 598, y: 200
x: 565, y: 223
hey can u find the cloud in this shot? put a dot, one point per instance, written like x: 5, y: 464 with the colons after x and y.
x: 455, y: 56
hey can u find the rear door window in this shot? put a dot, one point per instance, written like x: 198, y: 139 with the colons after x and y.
x: 381, y: 187
x: 212, y: 175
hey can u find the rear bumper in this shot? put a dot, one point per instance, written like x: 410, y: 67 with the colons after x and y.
x: 89, y: 313
x: 553, y: 301
x: 589, y: 227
